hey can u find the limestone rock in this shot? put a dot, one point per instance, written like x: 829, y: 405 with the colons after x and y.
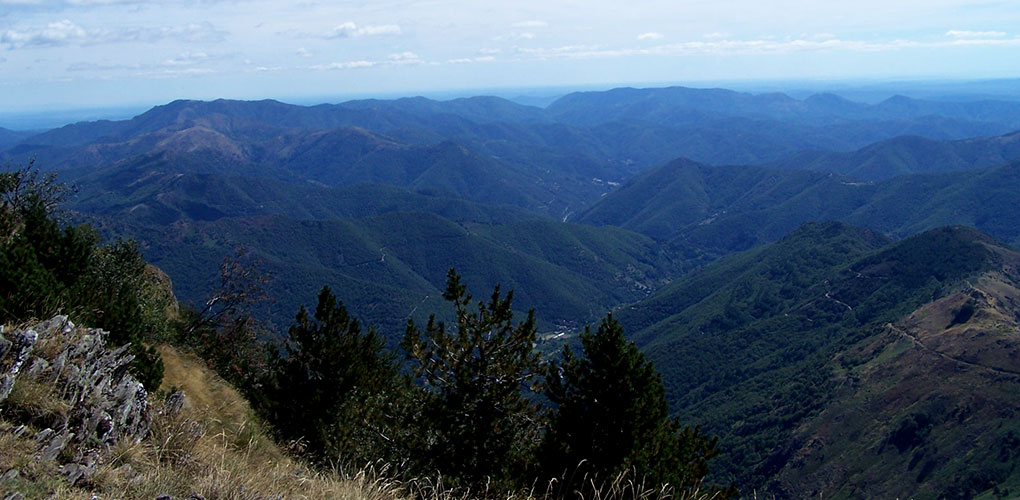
x: 104, y: 402
x: 21, y: 344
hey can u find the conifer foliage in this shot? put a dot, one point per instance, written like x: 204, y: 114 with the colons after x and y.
x: 47, y: 268
x: 478, y: 424
x: 332, y: 388
x: 611, y: 416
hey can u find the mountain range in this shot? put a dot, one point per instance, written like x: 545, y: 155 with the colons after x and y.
x: 728, y: 208
x: 800, y: 271
x: 910, y: 155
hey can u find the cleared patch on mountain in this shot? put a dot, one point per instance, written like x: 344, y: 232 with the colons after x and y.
x: 926, y: 407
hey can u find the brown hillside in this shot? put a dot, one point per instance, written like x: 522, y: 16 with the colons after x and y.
x: 933, y: 398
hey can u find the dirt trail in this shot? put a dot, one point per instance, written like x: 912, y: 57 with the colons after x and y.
x: 918, y: 343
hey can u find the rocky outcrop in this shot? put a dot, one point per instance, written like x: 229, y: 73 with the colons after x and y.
x: 92, y: 400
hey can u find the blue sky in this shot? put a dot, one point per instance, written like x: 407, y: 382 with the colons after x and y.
x: 92, y: 53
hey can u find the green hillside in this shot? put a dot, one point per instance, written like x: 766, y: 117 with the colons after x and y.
x: 154, y: 192
x: 910, y: 155
x: 392, y: 266
x: 746, y: 345
x: 725, y: 209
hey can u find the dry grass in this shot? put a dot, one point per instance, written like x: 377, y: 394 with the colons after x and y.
x: 215, y: 448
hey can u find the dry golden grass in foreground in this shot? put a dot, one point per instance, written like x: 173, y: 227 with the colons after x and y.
x: 214, y: 448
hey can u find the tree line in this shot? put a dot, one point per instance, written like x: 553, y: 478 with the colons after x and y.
x: 470, y: 401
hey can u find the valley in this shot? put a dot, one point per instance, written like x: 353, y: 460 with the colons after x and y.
x: 827, y: 286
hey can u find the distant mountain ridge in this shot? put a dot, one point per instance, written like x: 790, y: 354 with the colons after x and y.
x: 910, y: 155
x: 605, y: 135
x: 738, y: 207
x: 11, y: 137
x: 667, y: 104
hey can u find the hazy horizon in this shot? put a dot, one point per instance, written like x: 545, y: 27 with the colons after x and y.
x: 867, y: 91
x: 94, y: 54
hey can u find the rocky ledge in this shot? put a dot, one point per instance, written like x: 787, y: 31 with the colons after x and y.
x: 92, y: 400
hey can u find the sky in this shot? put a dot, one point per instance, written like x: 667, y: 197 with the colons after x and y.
x: 63, y: 54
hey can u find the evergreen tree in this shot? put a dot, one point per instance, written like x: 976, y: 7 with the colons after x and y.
x: 46, y: 269
x: 477, y: 426
x: 333, y: 387
x: 611, y: 415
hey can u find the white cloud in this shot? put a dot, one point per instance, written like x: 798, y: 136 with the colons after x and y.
x: 526, y: 35
x: 345, y: 65
x: 175, y: 73
x: 404, y: 58
x: 381, y: 29
x: 489, y: 51
x: 466, y: 60
x: 531, y: 24
x: 65, y: 32
x: 203, y: 32
x: 56, y: 33
x: 186, y: 59
x: 651, y: 35
x: 974, y: 34
x: 303, y: 52
x: 351, y: 30
x: 396, y: 59
x: 756, y: 46
x: 88, y: 67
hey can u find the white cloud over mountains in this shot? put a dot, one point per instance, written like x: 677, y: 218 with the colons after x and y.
x: 65, y: 33
x: 409, y: 44
x: 975, y: 34
x: 351, y: 30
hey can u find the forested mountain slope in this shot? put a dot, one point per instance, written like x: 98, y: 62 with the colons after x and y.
x: 392, y: 266
x: 910, y: 155
x: 807, y: 357
x: 723, y: 209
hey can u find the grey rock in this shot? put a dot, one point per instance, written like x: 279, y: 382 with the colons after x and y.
x: 22, y: 343
x: 10, y: 475
x: 105, y: 403
x: 44, y: 436
x: 5, y: 346
x: 6, y: 386
x: 56, y: 445
x: 82, y: 469
x: 174, y: 403
x: 37, y: 367
x: 58, y: 366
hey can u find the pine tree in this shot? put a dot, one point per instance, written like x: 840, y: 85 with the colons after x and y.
x: 334, y: 384
x: 478, y: 426
x: 611, y: 416
x: 47, y: 269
